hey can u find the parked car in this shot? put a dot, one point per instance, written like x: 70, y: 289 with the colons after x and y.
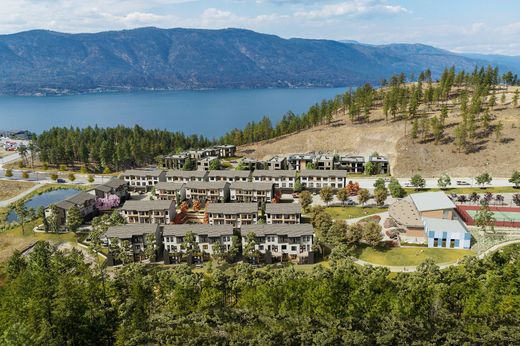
x: 60, y: 181
x: 462, y: 183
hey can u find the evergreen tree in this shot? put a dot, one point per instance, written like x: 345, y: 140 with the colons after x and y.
x: 74, y: 219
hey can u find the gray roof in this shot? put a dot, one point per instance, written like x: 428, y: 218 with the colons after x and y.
x: 225, y: 146
x: 232, y: 208
x: 205, y: 185
x: 352, y: 159
x: 80, y: 198
x: 199, y: 229
x: 127, y: 231
x: 323, y: 173
x: 274, y: 173
x: 293, y: 230
x: 241, y: 185
x: 432, y: 201
x: 169, y: 186
x: 64, y: 204
x: 377, y: 159
x: 103, y: 188
x: 283, y: 208
x: 443, y: 225
x: 147, y: 205
x: 143, y: 172
x: 229, y: 174
x: 277, y: 159
x: 186, y: 174
x: 115, y: 183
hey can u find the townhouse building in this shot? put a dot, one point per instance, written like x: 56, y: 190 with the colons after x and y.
x: 246, y: 192
x: 136, y: 235
x: 252, y: 164
x: 114, y: 186
x: 178, y: 176
x: 277, y: 163
x: 285, y: 213
x: 300, y: 161
x: 226, y: 150
x: 175, y: 161
x: 352, y: 164
x: 85, y: 202
x: 234, y: 214
x: 203, y: 191
x: 229, y: 176
x: 317, y: 179
x: 206, y: 236
x: 143, y: 180
x: 205, y: 163
x: 324, y: 162
x: 382, y: 162
x: 283, y: 179
x: 283, y: 241
x: 147, y: 211
x: 175, y: 192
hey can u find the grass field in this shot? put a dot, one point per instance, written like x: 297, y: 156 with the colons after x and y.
x: 345, y: 213
x: 411, y: 256
x: 11, y: 188
x: 13, y: 239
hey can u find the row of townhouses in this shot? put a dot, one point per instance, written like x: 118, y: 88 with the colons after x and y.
x: 286, y: 241
x: 212, y: 186
x: 86, y: 201
x: 202, y: 157
x: 299, y: 162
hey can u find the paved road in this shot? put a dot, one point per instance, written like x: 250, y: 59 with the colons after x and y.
x: 6, y: 202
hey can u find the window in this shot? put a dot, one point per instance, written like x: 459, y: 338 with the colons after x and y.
x: 294, y: 248
x: 284, y: 247
x: 452, y: 243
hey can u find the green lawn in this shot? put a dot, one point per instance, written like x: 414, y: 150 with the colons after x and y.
x: 344, y: 213
x: 411, y: 256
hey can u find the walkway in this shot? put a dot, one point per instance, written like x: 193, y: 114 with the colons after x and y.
x: 6, y: 202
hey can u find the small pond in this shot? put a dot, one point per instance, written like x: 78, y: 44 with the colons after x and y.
x: 44, y: 200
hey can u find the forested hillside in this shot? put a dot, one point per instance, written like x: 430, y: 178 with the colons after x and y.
x: 54, y: 298
x: 149, y: 58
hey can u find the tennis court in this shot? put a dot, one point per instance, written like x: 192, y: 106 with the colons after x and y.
x: 504, y: 216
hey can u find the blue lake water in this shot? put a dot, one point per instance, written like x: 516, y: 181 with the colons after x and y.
x: 44, y: 200
x: 210, y: 112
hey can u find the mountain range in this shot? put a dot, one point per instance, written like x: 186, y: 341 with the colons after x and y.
x: 47, y: 62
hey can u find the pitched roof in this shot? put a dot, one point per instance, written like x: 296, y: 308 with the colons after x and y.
x: 127, y: 231
x: 229, y: 174
x: 293, y: 230
x: 64, y: 204
x: 147, y: 205
x: 283, y: 208
x: 206, y: 185
x: 241, y: 185
x: 274, y: 173
x: 444, y: 225
x: 323, y: 173
x: 115, y: 183
x: 169, y: 186
x: 103, y: 188
x: 186, y: 174
x: 199, y: 229
x: 232, y: 208
x: 143, y: 172
x: 80, y: 198
x: 427, y: 201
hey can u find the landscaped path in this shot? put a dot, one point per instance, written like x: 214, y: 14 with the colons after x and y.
x: 6, y: 202
x: 408, y: 269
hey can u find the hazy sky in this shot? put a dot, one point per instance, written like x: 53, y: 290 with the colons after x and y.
x: 483, y: 26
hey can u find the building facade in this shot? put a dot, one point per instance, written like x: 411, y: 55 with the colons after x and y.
x: 317, y: 179
x: 146, y: 211
x: 251, y: 192
x: 283, y: 213
x: 143, y: 180
x: 234, y: 214
x: 215, y: 192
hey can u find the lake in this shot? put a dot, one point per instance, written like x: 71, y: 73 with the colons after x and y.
x: 44, y: 200
x: 209, y: 112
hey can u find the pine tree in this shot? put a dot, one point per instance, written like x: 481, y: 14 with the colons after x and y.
x: 74, y: 219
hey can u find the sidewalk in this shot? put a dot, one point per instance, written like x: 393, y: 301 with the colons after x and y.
x: 21, y: 195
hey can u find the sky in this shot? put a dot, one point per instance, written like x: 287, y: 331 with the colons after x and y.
x: 478, y: 26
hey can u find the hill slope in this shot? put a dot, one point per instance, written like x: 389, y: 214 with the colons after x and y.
x: 408, y: 157
x: 51, y: 62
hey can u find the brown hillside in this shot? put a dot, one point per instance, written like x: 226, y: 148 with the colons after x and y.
x: 408, y: 157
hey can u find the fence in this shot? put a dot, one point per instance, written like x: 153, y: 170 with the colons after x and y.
x: 468, y: 219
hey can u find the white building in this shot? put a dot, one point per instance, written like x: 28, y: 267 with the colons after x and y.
x: 229, y: 176
x: 317, y: 179
x: 251, y: 192
x: 205, y: 236
x: 287, y: 213
x: 207, y: 191
x: 176, y: 176
x: 175, y: 192
x: 283, y: 179
x: 141, y: 179
x: 136, y: 235
x: 234, y: 214
x: 146, y: 211
x: 281, y: 240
